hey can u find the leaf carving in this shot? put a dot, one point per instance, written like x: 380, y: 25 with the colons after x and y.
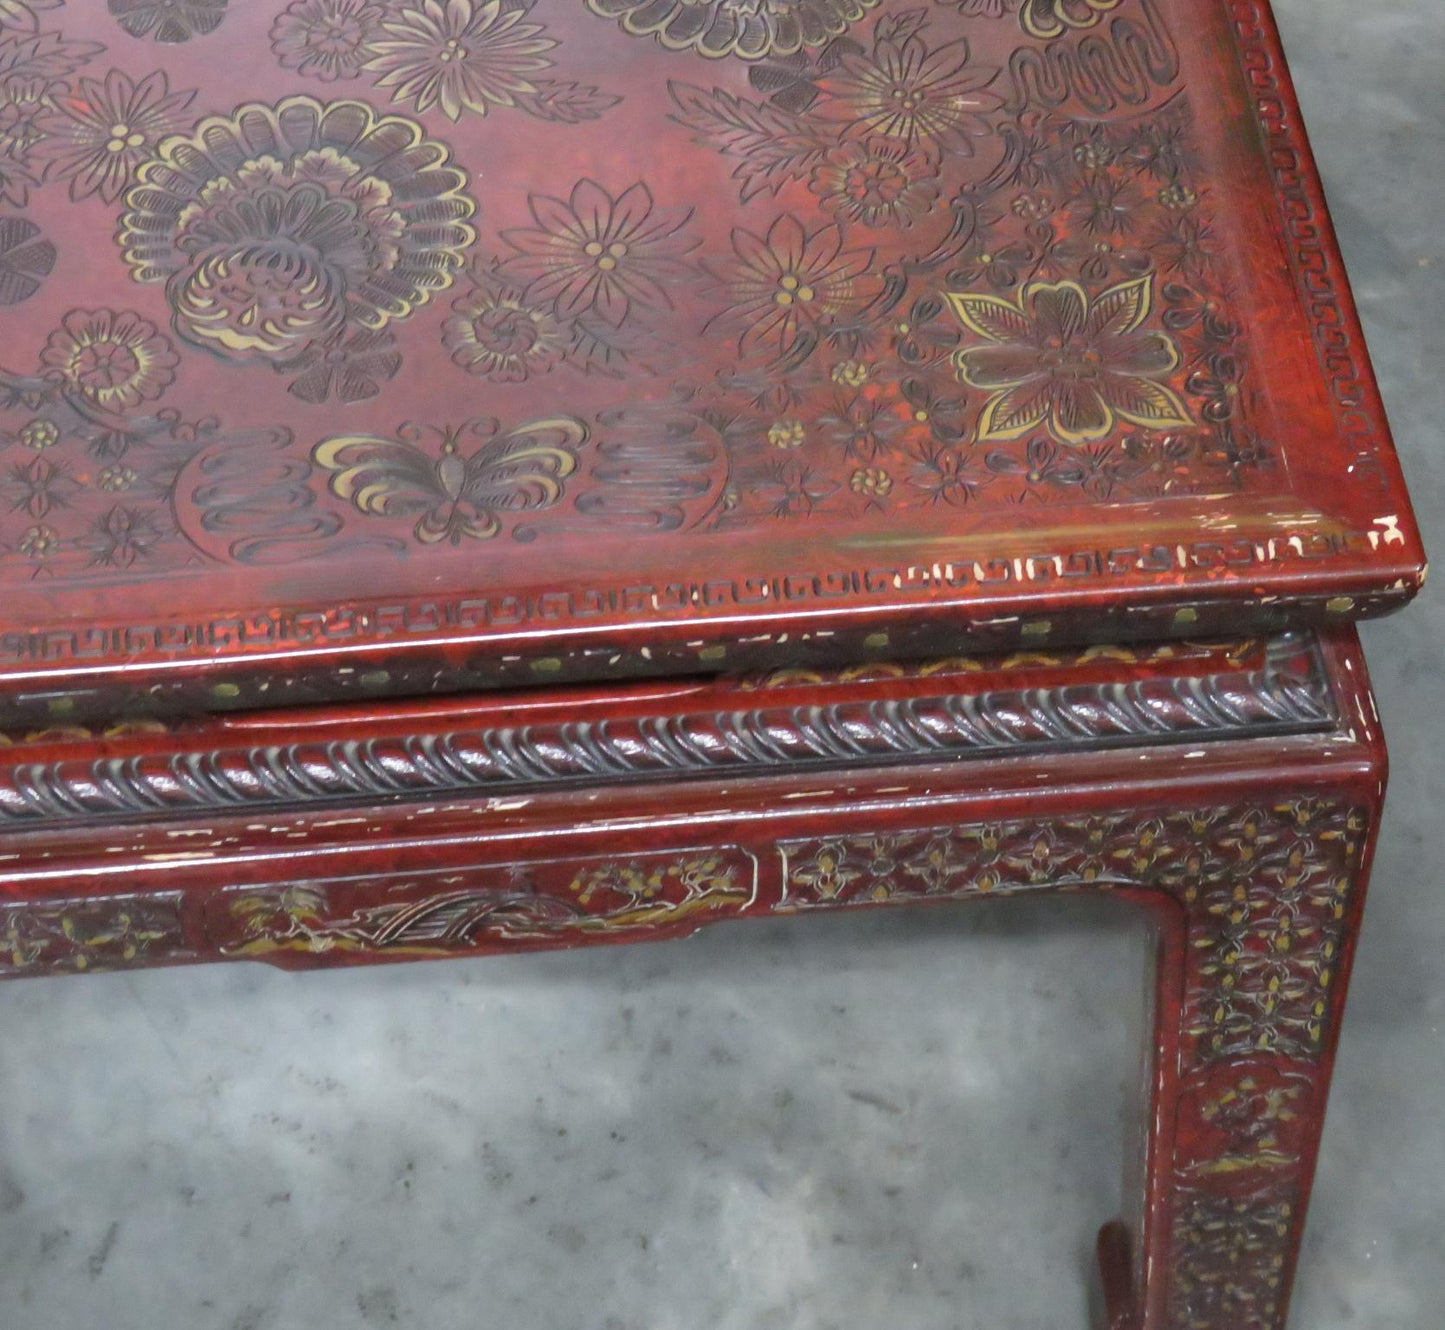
x: 774, y: 144
x: 565, y: 103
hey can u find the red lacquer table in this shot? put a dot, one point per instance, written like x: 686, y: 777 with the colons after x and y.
x: 882, y: 454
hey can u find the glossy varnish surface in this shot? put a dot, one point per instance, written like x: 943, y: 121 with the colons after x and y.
x: 386, y: 346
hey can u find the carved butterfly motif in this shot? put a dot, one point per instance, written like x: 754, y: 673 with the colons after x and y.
x: 451, y: 495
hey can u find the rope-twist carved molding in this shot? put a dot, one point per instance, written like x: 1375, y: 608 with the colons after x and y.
x: 1286, y: 693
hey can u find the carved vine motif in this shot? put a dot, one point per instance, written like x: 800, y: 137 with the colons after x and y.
x: 1266, y: 889
x: 438, y: 914
x: 89, y: 934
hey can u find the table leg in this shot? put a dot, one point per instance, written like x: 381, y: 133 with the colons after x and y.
x: 1250, y: 992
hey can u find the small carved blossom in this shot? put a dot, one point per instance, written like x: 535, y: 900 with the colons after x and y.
x: 924, y: 332
x: 39, y: 434
x: 40, y: 543
x: 1096, y: 259
x: 876, y: 182
x: 39, y: 485
x: 850, y: 373
x: 1187, y: 247
x: 872, y: 481
x: 1106, y: 206
x: 1045, y: 462
x: 864, y: 426
x: 792, y: 490
x: 927, y: 405
x: 113, y: 479
x: 496, y: 333
x: 1177, y: 196
x: 326, y: 39
x: 122, y: 537
x: 787, y: 434
x: 999, y: 264
x: 945, y: 474
x: 1219, y: 384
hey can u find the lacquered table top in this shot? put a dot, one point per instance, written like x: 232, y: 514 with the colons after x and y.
x: 383, y: 345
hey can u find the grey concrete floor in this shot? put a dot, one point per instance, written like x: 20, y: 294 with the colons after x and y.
x: 885, y: 1121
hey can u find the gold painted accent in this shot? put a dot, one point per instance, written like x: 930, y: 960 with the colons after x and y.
x: 1058, y: 358
x: 1186, y: 615
x: 546, y: 665
x: 225, y: 690
x: 1037, y: 628
x: 1054, y: 18
x: 1340, y: 605
x: 375, y: 679
x: 712, y: 653
x: 876, y: 640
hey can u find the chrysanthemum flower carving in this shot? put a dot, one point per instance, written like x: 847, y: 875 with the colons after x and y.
x: 751, y: 29
x: 904, y: 91
x: 116, y: 360
x: 788, y: 288
x: 326, y: 39
x: 460, y: 55
x: 495, y: 333
x: 878, y: 182
x: 600, y: 253
x: 99, y: 134
x: 1055, y: 357
x: 281, y: 229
